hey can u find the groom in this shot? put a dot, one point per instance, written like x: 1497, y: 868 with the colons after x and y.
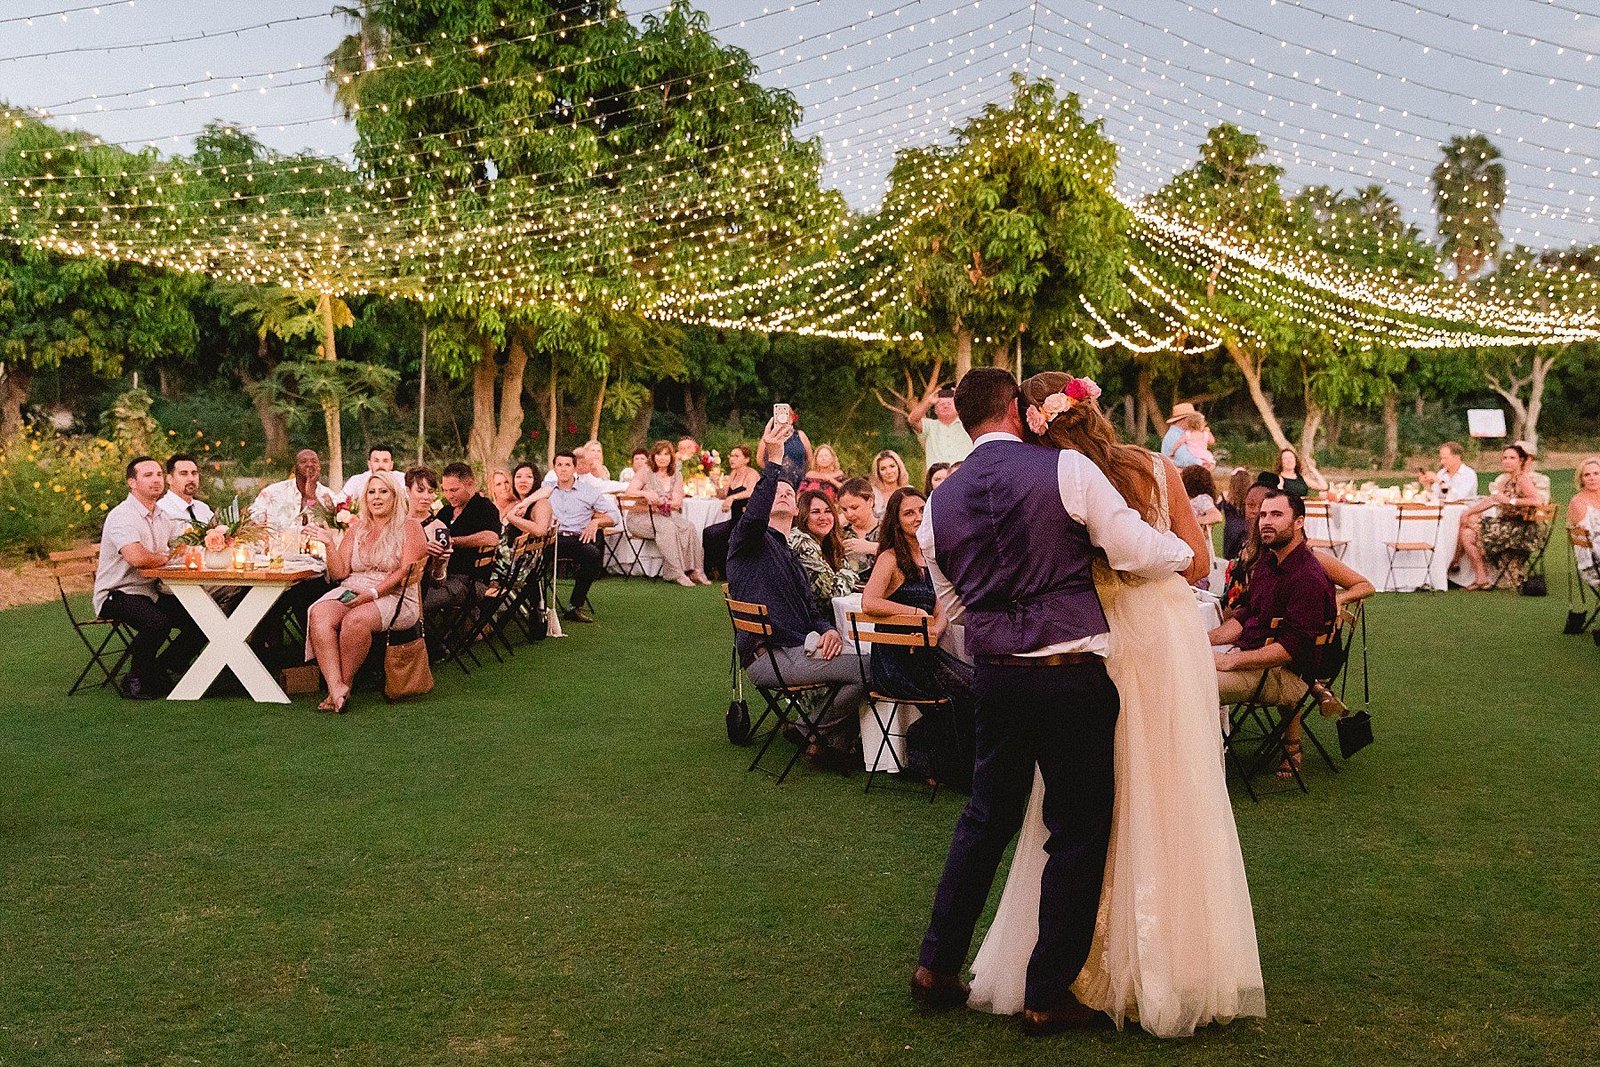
x: 1009, y: 541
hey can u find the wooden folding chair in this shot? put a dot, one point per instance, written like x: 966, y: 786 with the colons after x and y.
x: 900, y: 631
x: 783, y: 700
x: 1321, y: 511
x: 458, y: 630
x: 1543, y: 517
x: 106, y: 640
x: 1585, y: 607
x: 618, y: 537
x: 1416, y: 533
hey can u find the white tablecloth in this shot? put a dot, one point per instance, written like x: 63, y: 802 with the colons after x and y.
x: 700, y: 512
x: 1368, y: 526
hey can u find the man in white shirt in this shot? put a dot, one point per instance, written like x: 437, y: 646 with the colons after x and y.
x: 139, y: 534
x: 280, y: 505
x: 588, y: 471
x: 183, y: 482
x: 380, y: 460
x: 944, y: 439
x: 1455, y: 481
x: 581, y: 512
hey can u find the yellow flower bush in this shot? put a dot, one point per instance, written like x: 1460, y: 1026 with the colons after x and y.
x: 55, y: 490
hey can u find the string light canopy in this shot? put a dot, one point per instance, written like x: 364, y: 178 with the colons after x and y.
x: 675, y: 238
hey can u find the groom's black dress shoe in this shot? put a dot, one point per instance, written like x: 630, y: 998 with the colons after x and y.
x: 934, y: 990
x: 1070, y: 1015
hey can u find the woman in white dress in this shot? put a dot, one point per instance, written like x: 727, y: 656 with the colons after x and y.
x: 1175, y: 941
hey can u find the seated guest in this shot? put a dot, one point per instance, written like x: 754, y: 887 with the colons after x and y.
x: 936, y: 473
x: 1202, y: 491
x: 1454, y: 481
x: 1583, y: 513
x: 1287, y: 606
x: 588, y: 474
x: 819, y: 548
x: 380, y: 460
x: 421, y: 487
x: 597, y: 461
x: 1236, y: 579
x: 474, y: 528
x: 1234, y: 526
x: 735, y: 489
x: 139, y: 534
x: 639, y: 463
x: 371, y: 563
x: 500, y: 490
x: 888, y: 474
x: 531, y: 511
x: 858, y: 527
x: 1497, y: 532
x: 825, y: 473
x: 900, y: 584
x: 580, y: 511
x: 797, y: 454
x: 286, y: 505
x: 1291, y: 477
x: 183, y: 482
x: 676, y: 539
x: 762, y: 570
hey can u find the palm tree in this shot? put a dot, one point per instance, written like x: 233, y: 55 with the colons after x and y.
x: 1469, y: 191
x: 357, y: 56
x: 279, y: 313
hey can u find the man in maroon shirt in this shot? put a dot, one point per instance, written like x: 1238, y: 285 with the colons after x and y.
x: 1289, y: 604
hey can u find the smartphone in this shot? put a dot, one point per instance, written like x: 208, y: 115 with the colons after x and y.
x: 348, y: 596
x: 782, y: 414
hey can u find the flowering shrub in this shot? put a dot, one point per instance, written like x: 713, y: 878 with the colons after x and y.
x: 55, y: 489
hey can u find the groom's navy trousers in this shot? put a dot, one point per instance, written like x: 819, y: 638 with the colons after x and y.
x: 1063, y: 718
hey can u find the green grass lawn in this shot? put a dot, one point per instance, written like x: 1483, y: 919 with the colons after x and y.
x: 561, y: 860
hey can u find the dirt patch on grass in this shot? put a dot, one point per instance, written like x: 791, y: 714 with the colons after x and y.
x: 30, y: 582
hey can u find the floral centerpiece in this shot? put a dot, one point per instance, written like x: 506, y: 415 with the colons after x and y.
x: 229, y: 526
x: 700, y: 472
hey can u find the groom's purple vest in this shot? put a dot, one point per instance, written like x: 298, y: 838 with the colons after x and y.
x: 1019, y: 562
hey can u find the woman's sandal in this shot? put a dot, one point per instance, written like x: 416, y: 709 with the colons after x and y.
x: 326, y: 705
x: 1287, y: 768
x: 342, y: 705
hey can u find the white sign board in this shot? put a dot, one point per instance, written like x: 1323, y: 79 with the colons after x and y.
x: 1486, y: 422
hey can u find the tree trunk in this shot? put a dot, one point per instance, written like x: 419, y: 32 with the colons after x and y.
x: 1333, y: 427
x: 1308, y: 433
x: 694, y: 410
x: 1149, y: 406
x: 163, y: 381
x: 1420, y: 400
x: 1541, y: 368
x: 330, y: 405
x: 1252, y: 379
x: 1130, y: 421
x: 1391, y: 431
x: 599, y: 405
x: 14, y: 383
x: 497, y: 426
x: 550, y: 440
x: 274, y: 427
x: 639, y: 432
x: 963, y: 351
x: 1003, y: 357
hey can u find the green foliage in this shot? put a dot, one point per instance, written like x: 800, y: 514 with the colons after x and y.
x: 1024, y: 223
x: 129, y: 424
x: 55, y: 489
x: 1469, y: 191
x: 299, y: 387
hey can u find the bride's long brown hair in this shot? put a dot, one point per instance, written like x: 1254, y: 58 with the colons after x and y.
x: 1085, y: 428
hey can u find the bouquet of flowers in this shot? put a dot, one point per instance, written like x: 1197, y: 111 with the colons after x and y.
x: 330, y: 515
x: 229, y: 526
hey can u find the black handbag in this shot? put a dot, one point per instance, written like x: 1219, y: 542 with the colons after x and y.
x: 1355, y: 733
x: 1534, y: 585
x: 1575, y: 621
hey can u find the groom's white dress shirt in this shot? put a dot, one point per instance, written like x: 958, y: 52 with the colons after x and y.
x: 1131, y: 545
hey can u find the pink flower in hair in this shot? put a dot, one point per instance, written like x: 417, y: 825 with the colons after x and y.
x: 1056, y: 403
x: 1036, y: 419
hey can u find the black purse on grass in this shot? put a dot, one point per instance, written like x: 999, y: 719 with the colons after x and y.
x: 1355, y: 733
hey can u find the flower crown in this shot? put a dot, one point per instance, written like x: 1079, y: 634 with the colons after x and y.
x: 1075, y: 392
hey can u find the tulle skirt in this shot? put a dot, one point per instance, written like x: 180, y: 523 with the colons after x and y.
x: 1175, y: 940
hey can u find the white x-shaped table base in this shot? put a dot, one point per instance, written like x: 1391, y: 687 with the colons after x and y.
x: 228, y: 636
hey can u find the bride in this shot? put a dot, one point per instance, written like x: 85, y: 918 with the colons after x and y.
x: 1175, y: 941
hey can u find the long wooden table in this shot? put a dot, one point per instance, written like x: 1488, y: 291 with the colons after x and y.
x: 228, y: 635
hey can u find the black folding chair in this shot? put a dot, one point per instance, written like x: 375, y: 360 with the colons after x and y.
x: 1541, y: 519
x: 1319, y: 520
x: 1416, y: 533
x: 908, y: 632
x: 1257, y: 735
x: 787, y: 704
x: 618, y: 537
x: 106, y: 640
x: 1357, y: 622
x: 1584, y: 609
x: 458, y: 629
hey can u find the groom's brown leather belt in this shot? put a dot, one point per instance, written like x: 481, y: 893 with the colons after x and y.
x: 1055, y: 659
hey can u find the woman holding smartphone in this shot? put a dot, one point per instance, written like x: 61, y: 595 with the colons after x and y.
x: 797, y: 456
x: 370, y: 564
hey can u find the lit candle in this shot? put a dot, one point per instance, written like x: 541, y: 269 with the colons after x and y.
x: 241, y: 557
x: 191, y: 557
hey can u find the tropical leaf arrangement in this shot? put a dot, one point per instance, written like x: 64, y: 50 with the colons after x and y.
x: 229, y: 525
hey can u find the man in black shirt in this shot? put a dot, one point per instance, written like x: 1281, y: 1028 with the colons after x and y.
x: 474, y: 526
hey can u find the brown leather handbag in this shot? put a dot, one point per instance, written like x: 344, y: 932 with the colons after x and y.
x: 406, y: 670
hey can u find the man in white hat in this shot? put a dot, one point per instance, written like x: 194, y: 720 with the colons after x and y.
x: 1172, y: 445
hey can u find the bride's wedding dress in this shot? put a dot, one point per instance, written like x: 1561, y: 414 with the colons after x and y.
x: 1175, y: 941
